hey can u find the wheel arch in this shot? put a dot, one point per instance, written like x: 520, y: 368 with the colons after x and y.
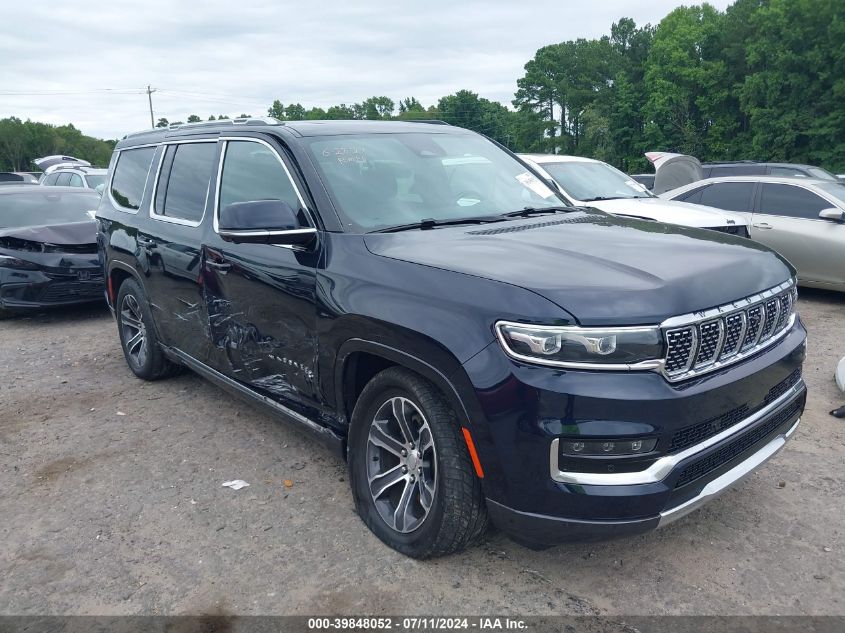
x: 358, y: 360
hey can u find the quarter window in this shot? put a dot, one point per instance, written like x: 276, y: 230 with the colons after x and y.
x: 130, y: 176
x: 731, y: 196
x: 791, y: 201
x: 252, y: 171
x: 693, y: 196
x: 182, y: 188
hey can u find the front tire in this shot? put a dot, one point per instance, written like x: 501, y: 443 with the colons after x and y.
x: 138, y: 334
x: 412, y: 478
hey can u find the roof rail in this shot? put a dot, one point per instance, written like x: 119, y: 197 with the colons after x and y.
x: 432, y: 121
x: 267, y: 120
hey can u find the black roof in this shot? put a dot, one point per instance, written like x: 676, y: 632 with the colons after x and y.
x: 298, y: 128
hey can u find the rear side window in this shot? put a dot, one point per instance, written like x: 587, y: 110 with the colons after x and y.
x: 791, y: 201
x: 130, y: 176
x: 732, y: 196
x: 252, y: 171
x: 737, y: 170
x: 64, y: 179
x: 182, y: 189
x: 76, y: 180
x: 51, y: 179
x: 693, y: 196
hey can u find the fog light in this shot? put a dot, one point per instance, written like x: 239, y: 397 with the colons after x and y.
x: 608, y: 447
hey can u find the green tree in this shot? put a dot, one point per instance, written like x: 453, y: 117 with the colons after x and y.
x: 162, y: 122
x: 277, y: 110
x: 193, y: 118
x: 295, y: 112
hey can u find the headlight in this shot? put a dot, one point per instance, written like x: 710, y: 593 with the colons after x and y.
x: 18, y: 264
x: 570, y: 346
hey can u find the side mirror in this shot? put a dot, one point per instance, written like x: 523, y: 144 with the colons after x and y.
x: 836, y: 215
x: 262, y: 222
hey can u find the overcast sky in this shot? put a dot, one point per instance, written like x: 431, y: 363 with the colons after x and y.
x: 89, y: 63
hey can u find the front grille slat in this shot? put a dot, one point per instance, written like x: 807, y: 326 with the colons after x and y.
x: 727, y: 334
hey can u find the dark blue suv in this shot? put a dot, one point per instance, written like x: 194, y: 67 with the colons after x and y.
x: 420, y: 299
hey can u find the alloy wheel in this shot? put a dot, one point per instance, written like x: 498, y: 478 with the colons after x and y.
x: 401, y: 464
x: 133, y: 330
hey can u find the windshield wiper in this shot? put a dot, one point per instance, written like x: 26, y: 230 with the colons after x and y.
x: 528, y: 211
x: 430, y: 223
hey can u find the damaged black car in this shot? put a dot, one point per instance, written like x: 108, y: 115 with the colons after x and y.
x: 48, y: 248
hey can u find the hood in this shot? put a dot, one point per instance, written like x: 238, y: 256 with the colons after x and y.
x: 671, y: 211
x: 51, y: 161
x: 602, y: 270
x: 673, y: 170
x: 71, y: 234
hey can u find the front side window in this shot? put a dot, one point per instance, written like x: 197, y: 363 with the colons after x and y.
x: 380, y: 181
x: 731, y: 196
x: 791, y: 201
x: 130, y: 176
x: 252, y: 171
x: 182, y: 189
x: 835, y: 189
x: 594, y: 181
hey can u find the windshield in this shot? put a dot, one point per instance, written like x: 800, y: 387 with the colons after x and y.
x: 379, y: 181
x: 585, y: 181
x: 34, y: 209
x: 95, y: 180
x: 834, y: 189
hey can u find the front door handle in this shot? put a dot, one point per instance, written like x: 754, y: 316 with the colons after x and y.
x: 762, y: 225
x: 145, y: 242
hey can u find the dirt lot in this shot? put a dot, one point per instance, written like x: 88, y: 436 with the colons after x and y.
x: 111, y: 503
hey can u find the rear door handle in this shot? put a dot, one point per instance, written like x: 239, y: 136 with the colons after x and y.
x: 762, y: 225
x: 146, y: 242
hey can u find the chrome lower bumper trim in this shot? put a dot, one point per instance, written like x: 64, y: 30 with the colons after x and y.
x: 663, y: 466
x: 728, y: 479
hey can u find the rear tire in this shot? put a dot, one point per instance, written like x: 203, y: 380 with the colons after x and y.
x: 428, y: 501
x: 137, y: 331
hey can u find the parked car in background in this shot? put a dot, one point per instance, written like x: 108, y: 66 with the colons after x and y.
x: 592, y: 183
x: 801, y: 218
x: 676, y: 170
x: 474, y: 346
x: 75, y: 176
x: 754, y: 168
x: 48, y: 250
x: 17, y: 178
x: 646, y: 180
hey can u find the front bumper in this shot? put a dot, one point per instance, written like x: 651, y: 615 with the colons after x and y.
x: 34, y: 289
x: 541, y: 496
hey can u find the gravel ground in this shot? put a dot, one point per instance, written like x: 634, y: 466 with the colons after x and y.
x: 111, y: 503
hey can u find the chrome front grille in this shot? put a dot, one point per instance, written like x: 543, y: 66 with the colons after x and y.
x: 704, y: 341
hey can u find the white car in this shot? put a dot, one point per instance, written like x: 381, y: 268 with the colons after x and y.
x: 592, y: 183
x: 803, y: 219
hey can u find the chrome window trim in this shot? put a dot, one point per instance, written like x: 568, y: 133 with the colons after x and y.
x: 661, y: 468
x: 155, y: 215
x: 216, y: 210
x: 116, y: 158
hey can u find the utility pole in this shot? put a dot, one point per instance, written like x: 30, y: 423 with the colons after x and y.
x: 150, y: 98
